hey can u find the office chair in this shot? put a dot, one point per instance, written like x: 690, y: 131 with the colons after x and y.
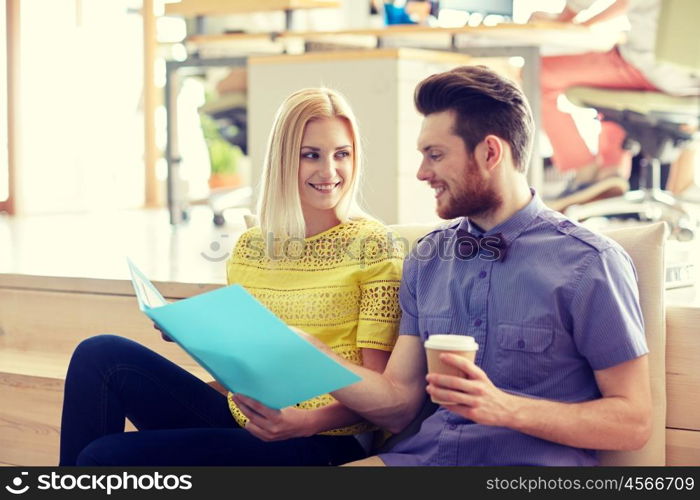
x: 657, y: 126
x: 220, y: 200
x: 230, y: 114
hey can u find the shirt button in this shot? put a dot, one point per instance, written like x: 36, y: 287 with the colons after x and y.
x: 521, y: 343
x: 452, y: 427
x: 482, y: 274
x: 477, y: 322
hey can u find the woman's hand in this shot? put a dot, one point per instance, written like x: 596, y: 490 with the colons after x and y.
x: 214, y: 384
x: 275, y: 425
x: 162, y: 334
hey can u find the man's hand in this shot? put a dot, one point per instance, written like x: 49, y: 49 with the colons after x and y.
x: 475, y: 395
x: 619, y: 420
x: 274, y: 425
x: 162, y: 334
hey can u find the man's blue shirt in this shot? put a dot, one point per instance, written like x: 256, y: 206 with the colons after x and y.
x: 562, y: 303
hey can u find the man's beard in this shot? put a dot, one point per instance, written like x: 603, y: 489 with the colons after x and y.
x: 476, y: 198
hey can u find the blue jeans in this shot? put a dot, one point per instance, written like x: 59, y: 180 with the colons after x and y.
x: 181, y: 419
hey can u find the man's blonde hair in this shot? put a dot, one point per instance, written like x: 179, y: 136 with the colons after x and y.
x: 279, y: 205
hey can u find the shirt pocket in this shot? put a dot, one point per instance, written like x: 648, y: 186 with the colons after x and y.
x: 523, y: 356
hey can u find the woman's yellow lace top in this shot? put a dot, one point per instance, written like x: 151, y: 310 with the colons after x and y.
x: 341, y: 285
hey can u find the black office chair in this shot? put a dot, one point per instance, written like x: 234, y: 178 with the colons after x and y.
x: 657, y: 125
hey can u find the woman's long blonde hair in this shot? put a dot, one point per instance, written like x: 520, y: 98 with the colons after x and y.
x: 279, y: 204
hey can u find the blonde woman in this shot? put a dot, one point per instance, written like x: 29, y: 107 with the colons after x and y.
x: 317, y: 261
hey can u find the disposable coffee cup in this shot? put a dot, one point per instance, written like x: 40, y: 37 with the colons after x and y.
x: 460, y: 345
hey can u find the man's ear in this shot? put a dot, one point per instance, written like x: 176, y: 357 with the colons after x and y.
x: 490, y: 151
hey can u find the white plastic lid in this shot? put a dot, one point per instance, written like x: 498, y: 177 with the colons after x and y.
x: 452, y: 343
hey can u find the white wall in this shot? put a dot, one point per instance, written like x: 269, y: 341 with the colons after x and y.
x: 82, y: 126
x: 372, y: 99
x: 380, y: 90
x: 4, y: 160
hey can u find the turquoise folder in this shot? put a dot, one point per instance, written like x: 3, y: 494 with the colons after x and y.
x: 243, y: 345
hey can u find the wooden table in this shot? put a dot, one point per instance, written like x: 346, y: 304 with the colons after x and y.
x: 223, y: 7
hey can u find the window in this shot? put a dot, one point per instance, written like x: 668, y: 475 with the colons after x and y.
x: 81, y: 136
x: 4, y: 151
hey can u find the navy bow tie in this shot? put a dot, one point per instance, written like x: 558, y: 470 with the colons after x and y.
x: 469, y: 246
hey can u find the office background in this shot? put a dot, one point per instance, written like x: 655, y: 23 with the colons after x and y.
x: 89, y: 159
